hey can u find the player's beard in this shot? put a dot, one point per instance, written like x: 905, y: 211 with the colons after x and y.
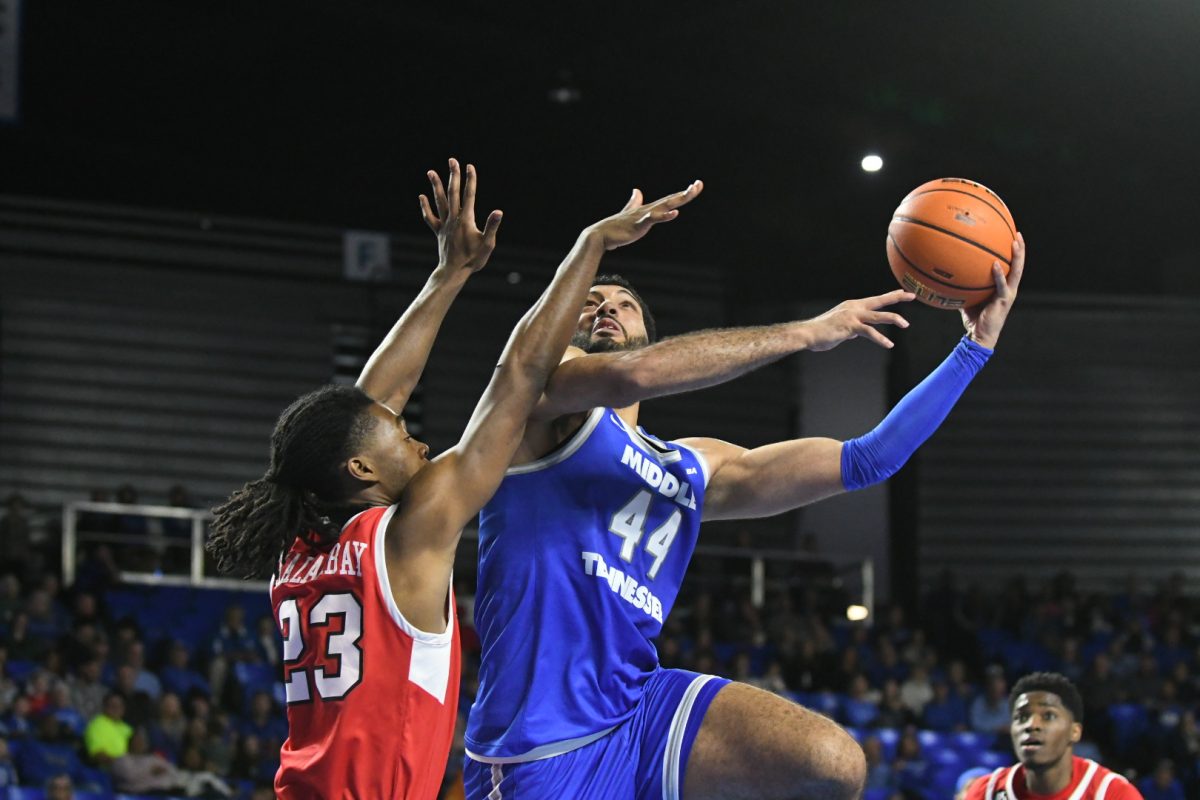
x: 583, y: 340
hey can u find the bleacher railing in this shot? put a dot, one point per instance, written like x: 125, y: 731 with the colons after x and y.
x: 169, y: 552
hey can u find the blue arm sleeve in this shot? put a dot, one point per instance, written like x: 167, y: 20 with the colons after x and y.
x: 876, y: 456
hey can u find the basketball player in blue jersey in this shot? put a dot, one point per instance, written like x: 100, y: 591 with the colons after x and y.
x: 583, y: 548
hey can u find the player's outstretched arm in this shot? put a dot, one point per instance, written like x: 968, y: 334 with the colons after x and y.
x: 461, y: 480
x: 707, y: 358
x: 393, y: 370
x: 779, y: 477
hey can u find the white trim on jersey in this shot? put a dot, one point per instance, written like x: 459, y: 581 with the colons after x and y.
x: 1084, y: 782
x: 429, y: 666
x: 673, y: 756
x: 565, y: 451
x: 544, y: 751
x: 699, y: 457
x: 991, y: 784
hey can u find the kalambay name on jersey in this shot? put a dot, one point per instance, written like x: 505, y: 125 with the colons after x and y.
x: 581, y: 555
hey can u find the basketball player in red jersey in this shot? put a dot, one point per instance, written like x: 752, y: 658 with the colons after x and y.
x: 357, y: 528
x: 1047, y: 721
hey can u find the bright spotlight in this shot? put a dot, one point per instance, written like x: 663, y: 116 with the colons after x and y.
x: 856, y: 613
x: 872, y: 163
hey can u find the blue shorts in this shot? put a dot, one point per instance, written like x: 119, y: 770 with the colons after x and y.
x: 645, y: 757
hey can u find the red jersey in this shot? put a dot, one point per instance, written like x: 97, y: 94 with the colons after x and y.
x: 371, y: 700
x: 1089, y: 781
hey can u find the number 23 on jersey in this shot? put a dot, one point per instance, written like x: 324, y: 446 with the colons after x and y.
x: 334, y: 669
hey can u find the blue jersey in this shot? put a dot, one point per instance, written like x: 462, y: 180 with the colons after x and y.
x: 581, y: 555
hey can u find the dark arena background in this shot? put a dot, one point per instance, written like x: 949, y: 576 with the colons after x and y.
x: 207, y: 209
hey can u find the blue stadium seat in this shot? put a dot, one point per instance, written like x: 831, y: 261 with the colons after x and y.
x: 991, y: 759
x: 859, y: 712
x: 827, y: 703
x: 932, y: 739
x: 945, y: 757
x: 40, y: 761
x: 969, y: 741
x: 876, y: 794
x: 19, y: 669
x: 24, y: 793
x: 889, y: 738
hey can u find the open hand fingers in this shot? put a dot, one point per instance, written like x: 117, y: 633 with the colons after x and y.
x: 468, y: 196
x: 439, y: 193
x: 635, y: 201
x: 491, y: 227
x: 890, y: 299
x: 454, y: 188
x: 673, y: 201
x: 427, y: 214
x: 885, y: 318
x: 867, y: 332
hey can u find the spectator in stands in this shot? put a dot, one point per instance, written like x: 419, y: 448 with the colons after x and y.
x: 168, y: 727
x: 178, y: 675
x: 887, y: 666
x: 21, y: 643
x: 264, y: 722
x: 892, y: 711
x: 960, y: 685
x: 60, y: 787
x: 945, y: 712
x: 253, y: 762
x: 879, y: 772
x: 145, y: 680
x: 917, y: 690
x: 139, y: 771
x: 233, y: 643
x: 87, y: 691
x: 16, y: 534
x: 64, y: 712
x: 267, y: 640
x: 220, y: 743
x: 16, y: 722
x: 80, y: 644
x: 130, y: 523
x: 8, y: 687
x: 8, y: 771
x: 910, y: 767
x: 1162, y: 783
x: 138, y: 706
x: 1146, y: 684
x: 107, y: 735
x: 990, y: 711
x: 98, y: 570
x: 10, y: 599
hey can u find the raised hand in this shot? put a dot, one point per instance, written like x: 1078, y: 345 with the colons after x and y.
x: 635, y: 219
x: 855, y: 318
x: 460, y: 242
x: 984, y: 322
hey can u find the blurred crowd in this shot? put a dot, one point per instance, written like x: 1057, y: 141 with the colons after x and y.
x: 110, y: 688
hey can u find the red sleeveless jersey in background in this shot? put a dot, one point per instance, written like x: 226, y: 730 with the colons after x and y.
x: 372, y: 701
x: 1089, y: 781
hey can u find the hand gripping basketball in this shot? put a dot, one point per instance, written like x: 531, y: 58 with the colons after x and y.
x: 984, y: 322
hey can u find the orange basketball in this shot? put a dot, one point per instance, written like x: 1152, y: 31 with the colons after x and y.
x: 943, y: 239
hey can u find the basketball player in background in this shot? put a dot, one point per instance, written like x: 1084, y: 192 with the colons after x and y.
x: 358, y: 528
x: 1047, y: 723
x: 583, y: 548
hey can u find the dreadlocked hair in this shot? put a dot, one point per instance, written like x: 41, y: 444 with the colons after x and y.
x: 307, y: 481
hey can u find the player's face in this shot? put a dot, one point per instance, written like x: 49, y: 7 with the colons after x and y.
x: 1043, y: 730
x: 393, y: 453
x: 611, y: 320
